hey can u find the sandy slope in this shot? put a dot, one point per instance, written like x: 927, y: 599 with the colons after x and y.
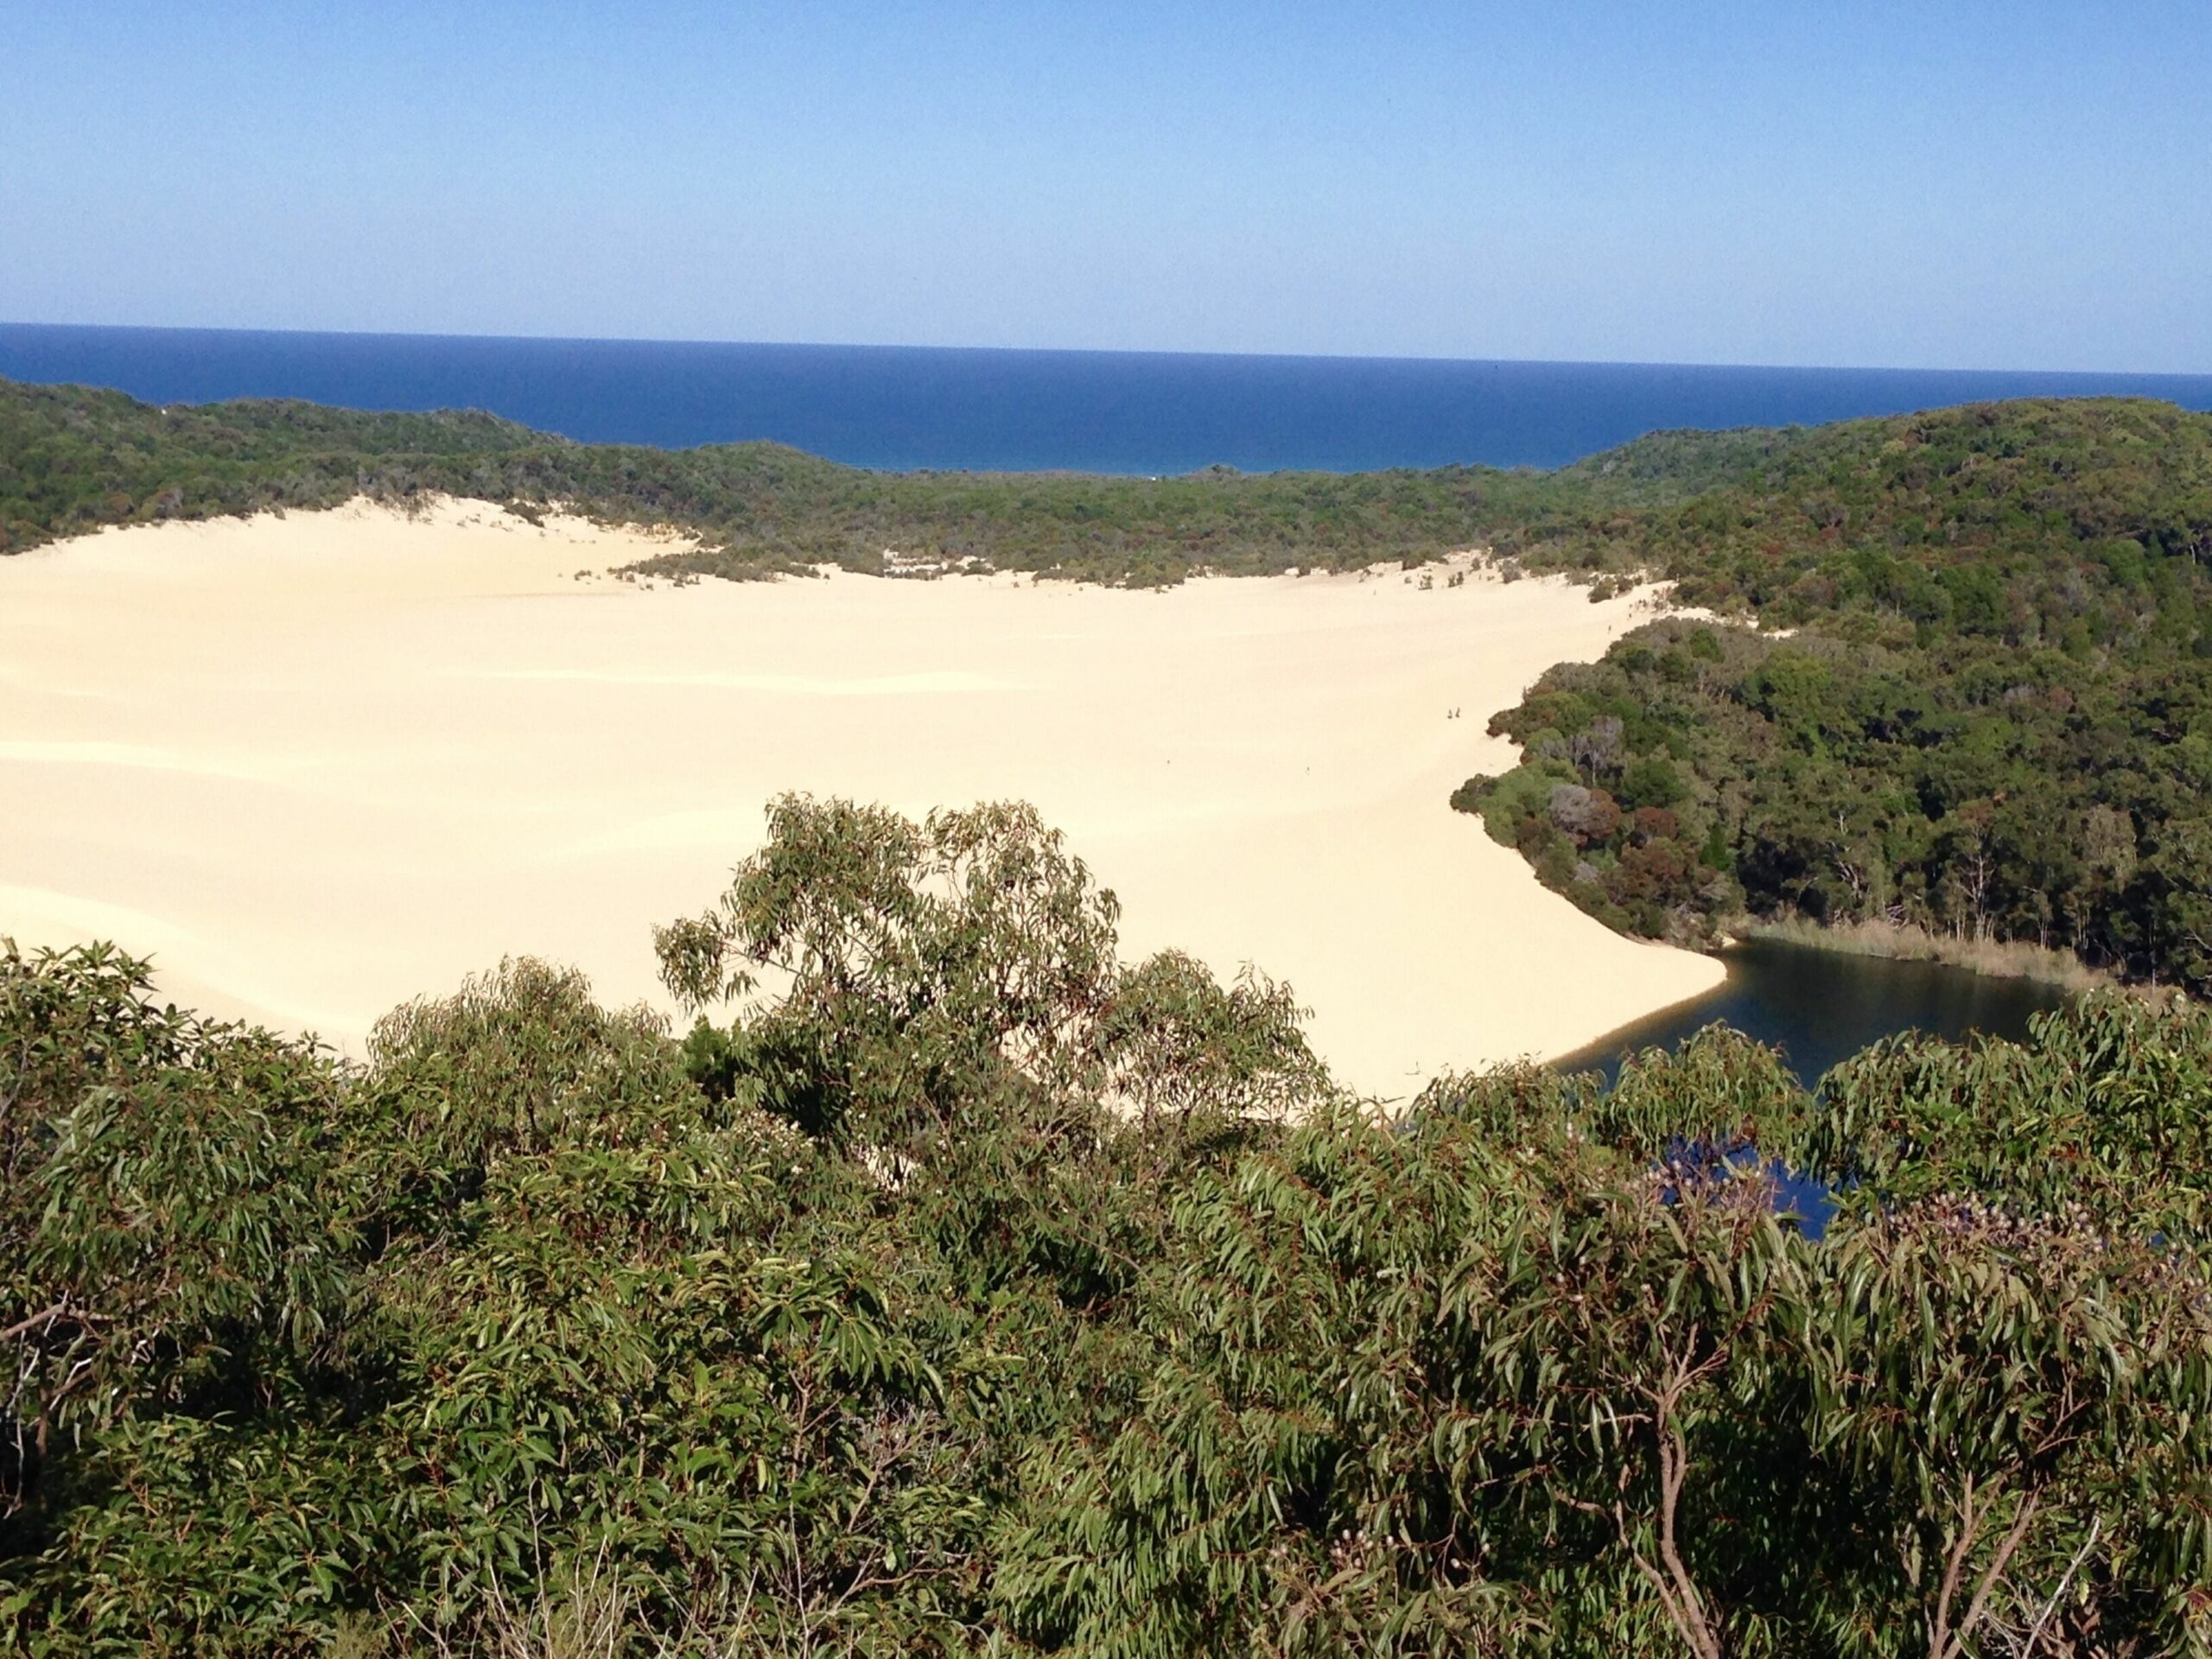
x: 319, y: 764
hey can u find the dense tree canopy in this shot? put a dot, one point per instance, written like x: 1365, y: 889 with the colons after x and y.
x: 970, y: 1290
x: 1990, y: 716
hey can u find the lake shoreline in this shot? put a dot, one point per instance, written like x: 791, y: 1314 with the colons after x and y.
x: 1819, y: 1006
x: 1897, y: 942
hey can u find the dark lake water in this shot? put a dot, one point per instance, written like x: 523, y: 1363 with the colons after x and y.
x: 1819, y: 1007
x: 906, y: 407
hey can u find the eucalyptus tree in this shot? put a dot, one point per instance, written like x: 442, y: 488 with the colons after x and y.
x: 165, y: 1233
x: 2021, y: 1409
x: 1479, y: 1384
x: 2107, y: 1106
x: 2015, y: 1358
x: 912, y: 968
x: 669, y: 1338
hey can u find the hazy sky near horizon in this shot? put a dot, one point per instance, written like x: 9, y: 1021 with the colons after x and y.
x: 2020, y: 185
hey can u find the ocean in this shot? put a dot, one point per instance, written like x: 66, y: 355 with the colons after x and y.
x: 911, y: 407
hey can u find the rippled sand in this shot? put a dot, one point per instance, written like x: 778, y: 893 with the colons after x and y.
x: 319, y: 764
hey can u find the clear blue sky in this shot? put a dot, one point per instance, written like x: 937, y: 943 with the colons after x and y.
x: 2024, y: 185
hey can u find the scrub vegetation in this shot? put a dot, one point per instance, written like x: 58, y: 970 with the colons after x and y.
x: 969, y: 1290
x: 71, y: 459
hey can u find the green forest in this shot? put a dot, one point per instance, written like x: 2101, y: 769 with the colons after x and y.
x: 1980, y: 703
x: 975, y: 1291
x: 1977, y: 700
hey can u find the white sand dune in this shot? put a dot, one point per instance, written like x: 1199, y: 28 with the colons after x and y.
x: 319, y: 764
x: 780, y: 685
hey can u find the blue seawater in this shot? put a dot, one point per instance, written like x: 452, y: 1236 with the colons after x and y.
x: 907, y: 407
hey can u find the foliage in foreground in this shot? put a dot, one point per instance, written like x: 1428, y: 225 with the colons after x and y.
x: 861, y: 1324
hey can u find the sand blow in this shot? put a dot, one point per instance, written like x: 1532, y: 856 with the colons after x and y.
x: 319, y: 764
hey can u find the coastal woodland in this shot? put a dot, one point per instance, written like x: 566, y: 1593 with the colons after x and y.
x: 974, y: 1290
x: 1980, y: 705
x: 954, y: 1285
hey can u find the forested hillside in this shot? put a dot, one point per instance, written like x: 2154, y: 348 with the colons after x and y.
x: 1991, y: 717
x: 973, y: 1295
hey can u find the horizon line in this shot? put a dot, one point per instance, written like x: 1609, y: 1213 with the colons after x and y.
x: 1098, y: 351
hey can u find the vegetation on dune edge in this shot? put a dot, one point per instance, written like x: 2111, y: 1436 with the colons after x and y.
x: 977, y: 1292
x: 72, y: 458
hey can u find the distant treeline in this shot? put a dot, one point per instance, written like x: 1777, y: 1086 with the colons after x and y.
x: 982, y: 1293
x: 72, y: 458
x: 1991, y: 715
